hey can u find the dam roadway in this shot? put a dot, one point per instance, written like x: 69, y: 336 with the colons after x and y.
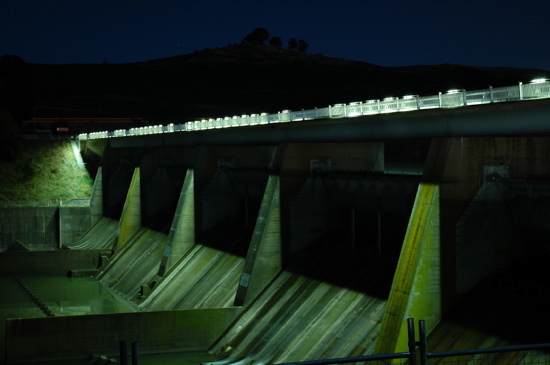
x: 318, y: 239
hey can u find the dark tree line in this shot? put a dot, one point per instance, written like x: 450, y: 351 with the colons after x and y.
x: 16, y: 101
x: 260, y: 36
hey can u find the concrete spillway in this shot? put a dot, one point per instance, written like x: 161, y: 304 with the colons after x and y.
x: 100, y: 236
x: 317, y: 308
x: 494, y: 316
x: 205, y: 278
x: 136, y: 264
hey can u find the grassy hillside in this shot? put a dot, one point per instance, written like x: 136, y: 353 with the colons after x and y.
x: 44, y: 170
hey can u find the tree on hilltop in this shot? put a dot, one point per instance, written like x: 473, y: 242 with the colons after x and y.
x: 302, y: 45
x: 257, y: 36
x: 292, y: 43
x: 276, y: 42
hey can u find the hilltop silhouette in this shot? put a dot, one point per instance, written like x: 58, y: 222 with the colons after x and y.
x: 241, y: 79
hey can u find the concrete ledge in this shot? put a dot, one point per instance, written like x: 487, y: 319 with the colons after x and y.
x: 47, y: 262
x: 78, y: 336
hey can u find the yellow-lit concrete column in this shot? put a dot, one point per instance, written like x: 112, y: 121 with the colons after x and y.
x: 263, y: 260
x: 416, y: 287
x: 96, y: 199
x: 182, y: 232
x: 130, y: 220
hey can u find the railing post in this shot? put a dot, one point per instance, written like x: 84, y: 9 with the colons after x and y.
x: 135, y: 353
x: 520, y: 90
x: 423, y: 343
x: 440, y: 102
x: 412, y: 341
x: 123, y: 351
x: 491, y: 92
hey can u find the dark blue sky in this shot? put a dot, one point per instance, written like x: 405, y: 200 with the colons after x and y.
x: 387, y: 33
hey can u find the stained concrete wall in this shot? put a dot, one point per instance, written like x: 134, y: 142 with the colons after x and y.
x: 74, y: 222
x: 487, y: 237
x: 79, y: 336
x: 295, y: 161
x: 36, y: 227
x: 43, y: 228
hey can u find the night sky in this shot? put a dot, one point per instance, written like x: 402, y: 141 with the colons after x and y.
x: 387, y: 33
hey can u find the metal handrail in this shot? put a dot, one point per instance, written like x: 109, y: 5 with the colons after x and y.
x: 537, y: 89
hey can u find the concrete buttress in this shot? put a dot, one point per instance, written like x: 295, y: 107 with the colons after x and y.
x: 416, y: 287
x: 182, y: 232
x: 96, y: 199
x: 130, y: 220
x: 263, y: 260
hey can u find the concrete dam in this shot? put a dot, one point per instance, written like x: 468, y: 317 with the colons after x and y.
x: 274, y: 252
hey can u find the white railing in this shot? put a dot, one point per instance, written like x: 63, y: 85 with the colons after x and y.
x: 537, y: 89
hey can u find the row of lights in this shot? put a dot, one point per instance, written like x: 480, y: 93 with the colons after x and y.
x: 454, y: 91
x: 406, y: 97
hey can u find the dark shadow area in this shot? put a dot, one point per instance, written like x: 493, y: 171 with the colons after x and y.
x: 160, y: 196
x: 231, y: 204
x: 368, y: 275
x: 501, y: 258
x: 355, y: 223
x: 115, y: 188
x: 493, y: 311
x: 231, y: 237
x: 406, y: 156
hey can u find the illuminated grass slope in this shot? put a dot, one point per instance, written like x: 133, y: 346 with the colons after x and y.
x: 44, y: 170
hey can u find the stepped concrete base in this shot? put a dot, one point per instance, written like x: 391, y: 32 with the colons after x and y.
x: 77, y: 273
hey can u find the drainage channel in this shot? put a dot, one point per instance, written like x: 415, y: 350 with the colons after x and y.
x: 43, y: 307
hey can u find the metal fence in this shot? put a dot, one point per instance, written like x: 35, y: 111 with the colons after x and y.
x: 418, y: 354
x: 537, y: 89
x: 510, y: 355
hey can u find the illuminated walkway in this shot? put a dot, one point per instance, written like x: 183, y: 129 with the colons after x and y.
x: 537, y: 89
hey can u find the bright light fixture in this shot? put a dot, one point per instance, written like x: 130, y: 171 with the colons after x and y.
x: 453, y: 91
x: 538, y: 81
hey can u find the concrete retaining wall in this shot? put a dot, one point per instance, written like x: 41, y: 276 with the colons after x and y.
x: 36, y: 227
x: 43, y: 228
x: 79, y: 336
x: 74, y: 222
